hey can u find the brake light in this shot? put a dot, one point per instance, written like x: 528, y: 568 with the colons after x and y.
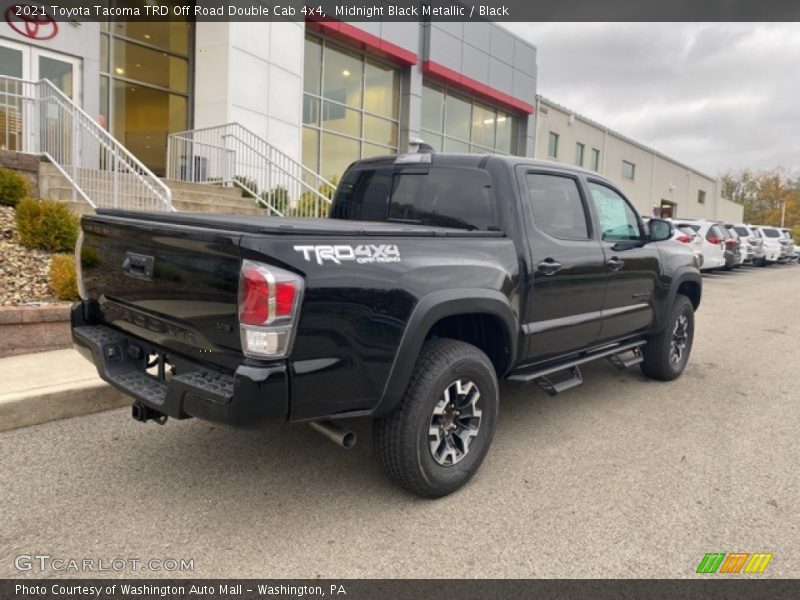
x: 731, y: 243
x: 684, y: 238
x: 712, y: 239
x: 254, y: 297
x: 269, y: 300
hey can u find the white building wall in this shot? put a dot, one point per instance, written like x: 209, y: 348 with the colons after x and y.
x: 251, y: 73
x: 656, y: 178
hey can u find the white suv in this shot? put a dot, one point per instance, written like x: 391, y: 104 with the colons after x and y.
x: 713, y: 242
x: 775, y: 246
x: 791, y: 247
x: 751, y: 245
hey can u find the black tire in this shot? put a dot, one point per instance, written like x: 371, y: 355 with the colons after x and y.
x: 403, y: 442
x: 659, y: 354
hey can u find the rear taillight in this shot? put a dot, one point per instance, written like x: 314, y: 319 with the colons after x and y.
x: 731, y: 244
x: 754, y: 242
x: 269, y: 300
x: 684, y: 238
x: 712, y: 239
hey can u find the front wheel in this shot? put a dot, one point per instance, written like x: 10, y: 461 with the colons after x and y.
x: 436, y: 440
x: 666, y: 354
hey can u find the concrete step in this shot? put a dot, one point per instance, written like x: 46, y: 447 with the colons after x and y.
x: 219, y: 208
x: 187, y: 186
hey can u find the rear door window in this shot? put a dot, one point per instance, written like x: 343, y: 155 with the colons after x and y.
x: 556, y: 206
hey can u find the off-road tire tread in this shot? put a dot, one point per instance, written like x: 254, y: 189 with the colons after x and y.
x: 656, y: 363
x: 394, y: 448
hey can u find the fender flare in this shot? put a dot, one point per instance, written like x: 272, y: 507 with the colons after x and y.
x: 430, y: 309
x: 683, y: 275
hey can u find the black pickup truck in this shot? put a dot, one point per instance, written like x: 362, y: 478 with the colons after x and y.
x: 435, y: 276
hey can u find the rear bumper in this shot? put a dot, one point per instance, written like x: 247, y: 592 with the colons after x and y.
x: 248, y: 397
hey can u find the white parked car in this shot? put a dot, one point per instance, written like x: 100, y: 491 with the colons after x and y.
x: 751, y: 245
x: 791, y: 247
x: 775, y: 246
x: 687, y: 235
x: 712, y: 242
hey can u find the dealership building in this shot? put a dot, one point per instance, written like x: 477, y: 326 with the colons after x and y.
x: 327, y: 93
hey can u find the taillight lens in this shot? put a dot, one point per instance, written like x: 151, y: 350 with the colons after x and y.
x: 731, y: 243
x: 753, y: 242
x: 269, y: 302
x: 684, y: 238
x: 712, y: 239
x: 253, y: 297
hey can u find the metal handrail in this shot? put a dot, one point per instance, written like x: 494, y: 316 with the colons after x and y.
x: 233, y: 155
x: 98, y: 167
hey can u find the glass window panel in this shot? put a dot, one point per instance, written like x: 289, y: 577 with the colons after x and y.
x: 433, y: 140
x: 150, y: 66
x: 457, y: 112
x: 506, y: 133
x: 618, y: 221
x: 169, y: 35
x: 381, y: 89
x: 103, y: 118
x: 432, y: 109
x: 311, y: 148
x: 58, y: 72
x: 142, y: 118
x: 370, y: 150
x: 380, y: 130
x: 451, y: 145
x: 337, y: 154
x: 483, y: 125
x: 595, y: 159
x: 628, y: 170
x: 312, y: 69
x: 310, y: 111
x: 343, y: 76
x: 10, y: 62
x: 336, y: 117
x: 552, y: 145
x: 556, y: 206
x: 104, y: 53
x: 579, y: 151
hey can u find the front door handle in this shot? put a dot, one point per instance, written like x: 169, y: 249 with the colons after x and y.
x: 548, y: 266
x: 614, y: 263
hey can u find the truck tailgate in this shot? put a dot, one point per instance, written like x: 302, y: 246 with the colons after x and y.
x: 171, y: 284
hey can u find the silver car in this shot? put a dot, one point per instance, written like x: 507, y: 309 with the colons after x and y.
x: 750, y: 244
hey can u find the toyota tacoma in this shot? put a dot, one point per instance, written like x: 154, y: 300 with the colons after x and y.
x: 435, y: 277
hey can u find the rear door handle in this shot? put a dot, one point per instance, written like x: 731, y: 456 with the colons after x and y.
x: 548, y: 266
x: 614, y: 263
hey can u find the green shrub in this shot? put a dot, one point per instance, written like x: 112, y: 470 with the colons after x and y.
x: 278, y: 198
x: 46, y: 225
x: 248, y: 183
x: 13, y: 187
x: 63, y: 277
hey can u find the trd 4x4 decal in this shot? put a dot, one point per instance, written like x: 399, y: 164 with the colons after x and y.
x: 362, y: 254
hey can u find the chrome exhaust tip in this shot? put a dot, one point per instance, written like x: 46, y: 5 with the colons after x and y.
x: 338, y: 435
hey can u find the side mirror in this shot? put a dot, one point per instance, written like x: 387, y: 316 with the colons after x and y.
x: 660, y: 230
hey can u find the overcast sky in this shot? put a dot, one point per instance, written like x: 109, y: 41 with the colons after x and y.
x: 713, y: 95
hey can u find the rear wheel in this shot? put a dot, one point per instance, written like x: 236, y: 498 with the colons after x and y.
x: 666, y: 354
x: 434, y: 442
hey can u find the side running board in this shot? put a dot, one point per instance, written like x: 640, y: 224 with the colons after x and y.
x: 542, y: 375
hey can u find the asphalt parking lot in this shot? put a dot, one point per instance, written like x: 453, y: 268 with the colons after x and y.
x: 622, y: 477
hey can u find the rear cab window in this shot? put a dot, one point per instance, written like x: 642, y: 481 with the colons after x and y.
x: 440, y: 196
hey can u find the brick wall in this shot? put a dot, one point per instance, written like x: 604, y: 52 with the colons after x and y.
x: 29, y: 329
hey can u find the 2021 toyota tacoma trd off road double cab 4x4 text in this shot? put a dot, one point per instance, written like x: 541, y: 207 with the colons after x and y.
x: 435, y: 276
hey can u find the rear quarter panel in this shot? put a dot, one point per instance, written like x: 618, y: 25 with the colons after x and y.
x: 354, y: 314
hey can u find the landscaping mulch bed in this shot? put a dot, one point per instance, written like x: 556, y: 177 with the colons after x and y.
x: 23, y: 272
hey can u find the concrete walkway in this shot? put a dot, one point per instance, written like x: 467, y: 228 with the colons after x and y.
x: 36, y: 388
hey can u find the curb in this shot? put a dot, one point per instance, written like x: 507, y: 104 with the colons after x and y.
x: 58, y: 402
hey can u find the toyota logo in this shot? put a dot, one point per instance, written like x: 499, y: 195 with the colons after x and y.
x: 39, y: 26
